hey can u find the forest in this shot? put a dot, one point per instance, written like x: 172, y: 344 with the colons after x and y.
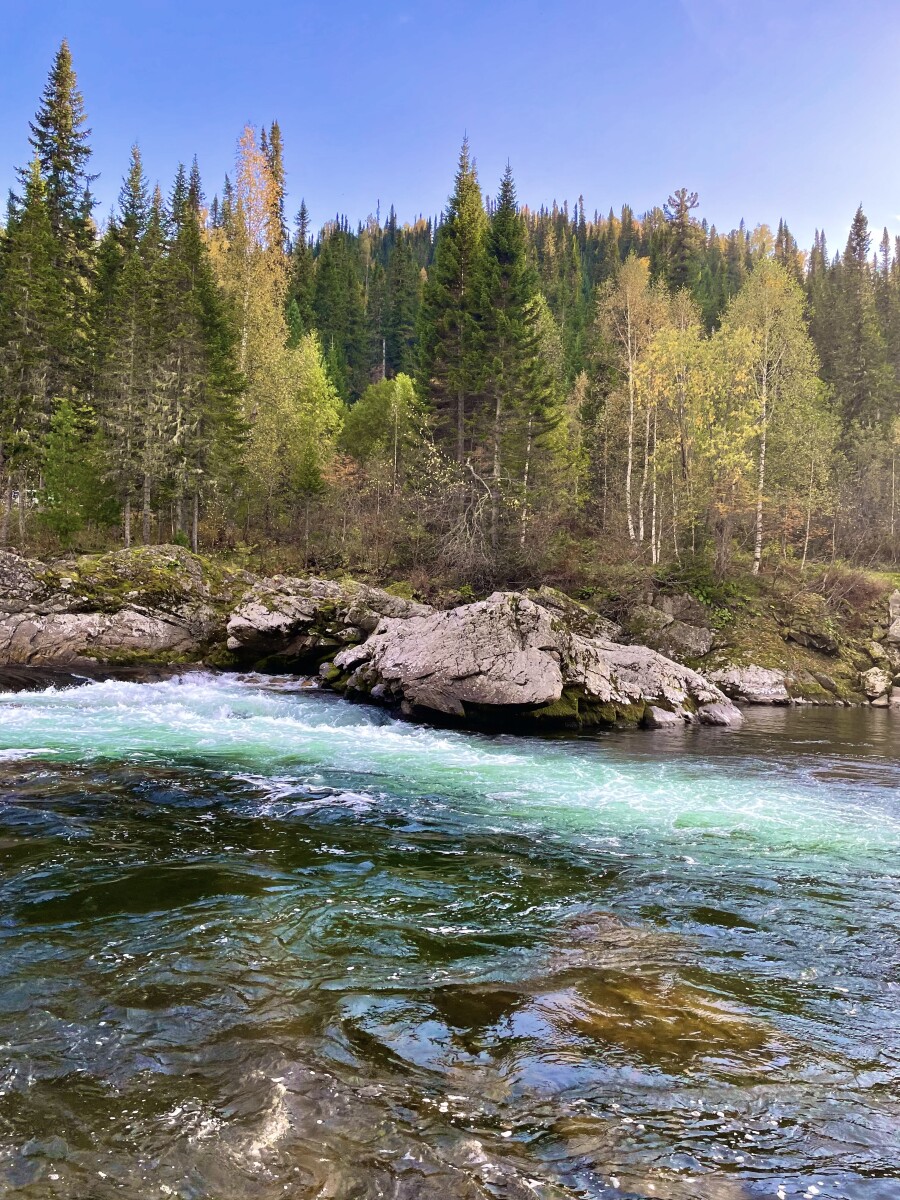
x: 496, y: 394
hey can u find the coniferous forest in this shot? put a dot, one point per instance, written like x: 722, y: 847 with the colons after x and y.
x: 501, y: 393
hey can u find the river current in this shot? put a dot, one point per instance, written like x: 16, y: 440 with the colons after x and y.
x: 258, y: 942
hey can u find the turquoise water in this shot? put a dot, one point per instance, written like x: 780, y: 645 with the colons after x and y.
x: 256, y: 941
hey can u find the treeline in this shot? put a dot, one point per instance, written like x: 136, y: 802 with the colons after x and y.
x: 497, y: 394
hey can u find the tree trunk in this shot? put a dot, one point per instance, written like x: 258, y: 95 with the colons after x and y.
x: 642, y: 493
x: 654, y: 539
x: 22, y: 485
x: 7, y: 510
x: 496, y: 479
x: 525, y: 475
x: 126, y: 522
x: 195, y: 524
x: 760, y: 486
x: 146, y: 510
x: 629, y: 465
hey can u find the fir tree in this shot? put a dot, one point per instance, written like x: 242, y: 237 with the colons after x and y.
x: 861, y: 374
x: 301, y: 284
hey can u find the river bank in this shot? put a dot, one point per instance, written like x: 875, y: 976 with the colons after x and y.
x: 516, y: 660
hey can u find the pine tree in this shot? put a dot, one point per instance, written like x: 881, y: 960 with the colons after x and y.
x: 448, y: 367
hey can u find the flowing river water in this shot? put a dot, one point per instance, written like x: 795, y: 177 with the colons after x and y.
x: 257, y: 942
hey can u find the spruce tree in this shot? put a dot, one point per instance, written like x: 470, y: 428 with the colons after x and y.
x: 861, y: 372
x: 127, y: 398
x: 403, y: 288
x: 195, y: 366
x: 31, y: 314
x: 340, y: 315
x: 59, y: 138
x: 448, y: 319
x: 514, y: 384
x: 301, y: 283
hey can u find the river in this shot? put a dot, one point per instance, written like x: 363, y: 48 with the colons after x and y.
x: 257, y: 942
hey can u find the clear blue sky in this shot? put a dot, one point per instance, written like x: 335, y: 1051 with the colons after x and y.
x: 765, y: 107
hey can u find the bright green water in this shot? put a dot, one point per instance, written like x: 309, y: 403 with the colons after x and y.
x: 257, y: 942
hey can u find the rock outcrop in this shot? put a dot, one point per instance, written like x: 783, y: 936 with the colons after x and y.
x: 293, y: 624
x: 509, y: 659
x: 678, y: 626
x: 150, y: 603
x: 876, y: 683
x: 753, y: 685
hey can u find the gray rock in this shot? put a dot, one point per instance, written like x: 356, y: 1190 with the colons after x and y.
x: 662, y: 718
x: 718, y: 714
x: 683, y: 607
x: 127, y: 605
x: 20, y: 583
x: 580, y: 618
x: 877, y: 653
x: 681, y: 640
x: 876, y: 682
x: 646, y: 619
x: 105, y: 637
x: 509, y: 658
x: 296, y: 620
x: 893, y: 633
x: 674, y: 625
x: 753, y: 685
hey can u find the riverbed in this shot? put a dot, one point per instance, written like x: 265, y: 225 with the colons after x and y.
x: 257, y: 942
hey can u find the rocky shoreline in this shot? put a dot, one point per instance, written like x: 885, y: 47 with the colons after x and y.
x: 515, y: 660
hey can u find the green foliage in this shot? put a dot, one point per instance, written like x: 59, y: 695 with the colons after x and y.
x: 449, y: 363
x: 70, y: 496
x: 588, y: 389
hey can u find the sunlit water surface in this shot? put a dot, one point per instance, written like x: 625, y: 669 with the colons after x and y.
x: 255, y: 942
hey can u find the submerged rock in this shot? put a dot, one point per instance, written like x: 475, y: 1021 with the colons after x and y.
x: 508, y: 659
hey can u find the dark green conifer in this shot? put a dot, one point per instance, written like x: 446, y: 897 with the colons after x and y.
x: 448, y: 318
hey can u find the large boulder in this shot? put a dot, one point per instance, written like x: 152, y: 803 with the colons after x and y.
x: 677, y: 626
x: 753, y: 685
x: 508, y: 660
x: 876, y: 683
x: 294, y: 623
x: 130, y: 605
